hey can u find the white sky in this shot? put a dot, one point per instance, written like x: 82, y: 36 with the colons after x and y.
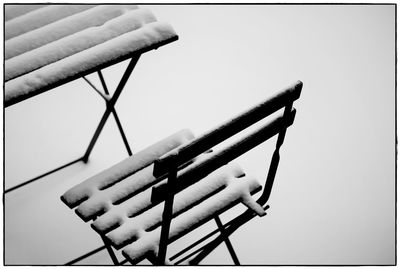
x: 333, y: 201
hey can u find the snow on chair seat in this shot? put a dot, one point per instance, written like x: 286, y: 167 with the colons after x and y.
x: 75, y: 41
x: 197, y: 204
x: 132, y: 169
x: 135, y: 221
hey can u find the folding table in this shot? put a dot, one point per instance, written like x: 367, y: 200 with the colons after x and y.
x: 50, y: 45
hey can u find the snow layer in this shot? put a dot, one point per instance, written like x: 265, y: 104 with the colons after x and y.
x: 13, y: 11
x: 148, y: 241
x: 134, y: 185
x: 77, y: 42
x: 151, y: 218
x: 40, y: 17
x: 125, y: 44
x: 66, y: 26
x: 129, y: 166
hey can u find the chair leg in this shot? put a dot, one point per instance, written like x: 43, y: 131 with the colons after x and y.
x: 234, y: 225
x: 110, y: 106
x: 227, y: 241
x: 167, y: 216
x: 110, y: 250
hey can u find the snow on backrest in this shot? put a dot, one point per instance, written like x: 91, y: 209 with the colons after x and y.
x: 93, y: 17
x: 75, y: 43
x: 116, y: 173
x: 144, y: 234
x: 40, y: 17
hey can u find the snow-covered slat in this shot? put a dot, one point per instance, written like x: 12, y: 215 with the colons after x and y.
x: 77, y: 42
x: 131, y: 228
x: 92, y: 17
x: 12, y: 11
x: 40, y: 17
x: 132, y: 165
x: 108, y: 197
x: 129, y: 213
x: 131, y: 196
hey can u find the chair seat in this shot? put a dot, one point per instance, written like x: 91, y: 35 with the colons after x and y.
x: 194, y: 206
x: 119, y: 199
x: 53, y: 44
x: 132, y: 170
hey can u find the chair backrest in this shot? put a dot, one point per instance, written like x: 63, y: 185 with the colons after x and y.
x: 185, y: 153
x: 170, y: 163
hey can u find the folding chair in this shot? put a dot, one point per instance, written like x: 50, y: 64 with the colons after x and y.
x: 160, y: 194
x: 50, y: 45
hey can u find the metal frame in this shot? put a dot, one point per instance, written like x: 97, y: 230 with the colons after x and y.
x: 169, y: 164
x: 110, y: 102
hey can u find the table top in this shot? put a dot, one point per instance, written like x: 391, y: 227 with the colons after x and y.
x: 49, y: 45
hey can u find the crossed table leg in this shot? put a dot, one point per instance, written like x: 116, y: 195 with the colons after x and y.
x: 110, y: 108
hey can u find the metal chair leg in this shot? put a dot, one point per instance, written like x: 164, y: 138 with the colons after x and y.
x: 167, y: 216
x: 227, y: 241
x: 110, y: 250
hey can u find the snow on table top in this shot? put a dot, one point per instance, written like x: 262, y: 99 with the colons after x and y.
x: 113, y: 49
x: 13, y: 11
x: 92, y: 17
x: 135, y: 163
x: 40, y: 17
x: 76, y: 42
x: 60, y: 48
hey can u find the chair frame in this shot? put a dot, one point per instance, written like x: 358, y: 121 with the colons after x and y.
x: 168, y: 165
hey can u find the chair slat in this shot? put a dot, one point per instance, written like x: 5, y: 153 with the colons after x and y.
x: 230, y: 128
